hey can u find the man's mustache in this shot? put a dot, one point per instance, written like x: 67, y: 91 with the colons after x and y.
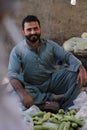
x: 34, y: 35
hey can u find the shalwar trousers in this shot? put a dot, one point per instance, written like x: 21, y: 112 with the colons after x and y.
x: 61, y: 81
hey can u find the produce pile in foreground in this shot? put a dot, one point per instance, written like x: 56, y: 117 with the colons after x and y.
x: 59, y: 121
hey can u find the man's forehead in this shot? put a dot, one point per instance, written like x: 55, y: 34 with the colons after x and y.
x: 31, y: 24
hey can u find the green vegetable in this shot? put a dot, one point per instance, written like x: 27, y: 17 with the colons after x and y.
x: 74, y: 125
x: 51, y: 125
x: 62, y: 126
x: 38, y: 122
x: 46, y: 117
x: 67, y: 113
x: 67, y: 126
x: 39, y: 114
x: 71, y: 128
x: 35, y: 118
x: 72, y: 112
x: 54, y: 120
x: 60, y: 121
x: 61, y: 111
x: 73, y: 119
x: 58, y: 116
x: 40, y: 127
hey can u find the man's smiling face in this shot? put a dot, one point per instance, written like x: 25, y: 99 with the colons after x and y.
x: 32, y: 31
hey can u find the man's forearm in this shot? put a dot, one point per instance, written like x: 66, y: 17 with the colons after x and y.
x: 82, y: 76
x: 24, y: 96
x: 16, y: 84
x: 81, y: 67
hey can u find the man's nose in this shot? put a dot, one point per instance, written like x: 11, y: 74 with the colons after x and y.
x: 32, y: 31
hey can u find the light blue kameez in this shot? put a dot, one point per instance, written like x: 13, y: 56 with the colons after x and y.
x: 36, y: 69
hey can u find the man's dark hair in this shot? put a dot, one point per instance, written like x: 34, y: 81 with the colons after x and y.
x: 30, y: 18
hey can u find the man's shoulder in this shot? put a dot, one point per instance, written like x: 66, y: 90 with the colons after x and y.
x: 21, y: 44
x: 19, y: 47
x: 51, y: 43
x: 47, y: 41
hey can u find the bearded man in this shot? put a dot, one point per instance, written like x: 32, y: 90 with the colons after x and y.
x: 32, y: 70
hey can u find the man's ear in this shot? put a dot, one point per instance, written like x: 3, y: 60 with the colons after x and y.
x: 23, y: 32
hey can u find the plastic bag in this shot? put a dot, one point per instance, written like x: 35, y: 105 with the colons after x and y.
x: 81, y: 103
x: 81, y: 99
x: 32, y: 110
x: 28, y: 116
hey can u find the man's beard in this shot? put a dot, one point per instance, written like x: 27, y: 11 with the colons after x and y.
x: 33, y: 38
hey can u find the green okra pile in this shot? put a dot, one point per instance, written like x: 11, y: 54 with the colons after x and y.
x: 60, y: 121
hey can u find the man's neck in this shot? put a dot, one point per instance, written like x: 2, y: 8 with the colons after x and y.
x: 33, y: 45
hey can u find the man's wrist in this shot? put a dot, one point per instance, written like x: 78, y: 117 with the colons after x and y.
x: 81, y: 67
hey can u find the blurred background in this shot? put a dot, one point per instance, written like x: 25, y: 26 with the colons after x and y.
x: 59, y: 19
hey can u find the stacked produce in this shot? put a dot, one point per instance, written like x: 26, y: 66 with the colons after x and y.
x: 76, y: 44
x: 61, y: 121
x: 71, y: 43
x: 84, y: 35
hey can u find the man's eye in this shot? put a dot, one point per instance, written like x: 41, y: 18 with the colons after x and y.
x: 35, y: 29
x: 29, y: 29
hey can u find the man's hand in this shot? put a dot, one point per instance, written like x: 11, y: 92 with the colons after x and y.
x: 57, y: 98
x: 82, y: 76
x: 27, y: 100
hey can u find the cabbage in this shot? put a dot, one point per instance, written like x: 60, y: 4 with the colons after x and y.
x: 84, y: 35
x: 71, y: 43
x: 75, y: 44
